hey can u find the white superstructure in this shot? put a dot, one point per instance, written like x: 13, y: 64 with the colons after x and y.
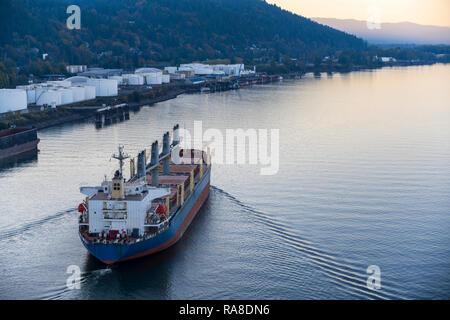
x: 119, y: 205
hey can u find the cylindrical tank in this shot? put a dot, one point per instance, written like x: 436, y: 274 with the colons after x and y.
x: 49, y: 97
x: 31, y: 92
x: 153, y: 78
x: 62, y: 83
x: 39, y: 91
x: 104, y: 87
x: 166, y: 78
x: 78, y: 93
x: 12, y: 100
x: 133, y: 80
x: 118, y: 78
x: 171, y: 69
x: 136, y: 80
x: 89, y: 92
x: 66, y: 96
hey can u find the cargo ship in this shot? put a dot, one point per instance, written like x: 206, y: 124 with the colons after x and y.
x: 15, y: 141
x: 124, y: 219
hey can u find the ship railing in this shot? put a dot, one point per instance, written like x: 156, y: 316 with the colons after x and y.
x: 83, y: 220
x: 163, y: 223
x: 129, y: 240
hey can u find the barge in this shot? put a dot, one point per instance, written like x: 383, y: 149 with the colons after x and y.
x: 16, y: 141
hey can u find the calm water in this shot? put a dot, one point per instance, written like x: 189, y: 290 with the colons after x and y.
x: 364, y: 180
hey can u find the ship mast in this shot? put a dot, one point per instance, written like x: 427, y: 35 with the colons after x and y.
x: 121, y: 156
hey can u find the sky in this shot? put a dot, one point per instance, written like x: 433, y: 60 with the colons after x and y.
x: 427, y: 12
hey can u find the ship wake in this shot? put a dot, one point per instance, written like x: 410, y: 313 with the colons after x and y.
x: 29, y: 226
x: 349, y: 276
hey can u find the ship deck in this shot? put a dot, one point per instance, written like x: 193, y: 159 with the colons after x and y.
x: 179, y: 175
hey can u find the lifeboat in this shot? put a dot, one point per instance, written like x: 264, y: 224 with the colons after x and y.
x: 82, y: 207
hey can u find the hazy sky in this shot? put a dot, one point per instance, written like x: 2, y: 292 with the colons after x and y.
x: 429, y: 12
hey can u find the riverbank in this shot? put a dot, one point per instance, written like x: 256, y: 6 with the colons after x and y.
x: 42, y: 119
x: 140, y: 96
x: 52, y: 117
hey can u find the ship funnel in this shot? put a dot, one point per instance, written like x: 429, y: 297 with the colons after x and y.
x: 166, y: 153
x: 154, y: 161
x: 176, y: 135
x: 141, y: 165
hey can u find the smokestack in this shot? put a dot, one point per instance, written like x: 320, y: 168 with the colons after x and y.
x: 155, y: 161
x: 166, y: 151
x: 132, y: 168
x: 141, y: 164
x: 176, y: 135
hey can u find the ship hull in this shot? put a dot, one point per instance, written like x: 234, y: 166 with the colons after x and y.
x: 15, y: 141
x: 113, y: 253
x: 19, y: 149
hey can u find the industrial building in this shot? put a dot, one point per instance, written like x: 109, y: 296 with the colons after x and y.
x: 100, y: 73
x: 76, y: 68
x: 200, y: 69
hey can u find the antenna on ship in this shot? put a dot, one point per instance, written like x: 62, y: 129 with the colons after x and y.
x: 120, y: 156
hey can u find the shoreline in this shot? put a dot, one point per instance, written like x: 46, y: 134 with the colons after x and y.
x: 77, y: 113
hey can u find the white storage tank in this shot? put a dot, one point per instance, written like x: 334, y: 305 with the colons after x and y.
x: 104, y: 87
x: 151, y: 75
x: 39, y: 90
x: 12, y: 100
x: 49, y: 97
x: 165, y: 78
x: 61, y: 83
x: 31, y: 92
x: 153, y: 78
x: 118, y: 78
x: 134, y: 79
x: 66, y: 96
x: 31, y: 95
x: 171, y: 70
x: 78, y: 93
x: 89, y: 92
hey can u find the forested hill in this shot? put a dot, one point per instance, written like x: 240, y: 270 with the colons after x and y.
x: 130, y: 33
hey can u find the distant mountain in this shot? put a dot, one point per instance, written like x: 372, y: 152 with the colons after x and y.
x: 391, y: 33
x: 130, y: 33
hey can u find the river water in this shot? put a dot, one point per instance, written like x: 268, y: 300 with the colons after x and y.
x: 363, y: 180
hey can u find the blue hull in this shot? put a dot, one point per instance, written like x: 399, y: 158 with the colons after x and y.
x: 112, y: 253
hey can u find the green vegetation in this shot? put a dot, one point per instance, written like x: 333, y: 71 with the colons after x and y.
x: 132, y: 33
x: 135, y: 33
x: 32, y: 118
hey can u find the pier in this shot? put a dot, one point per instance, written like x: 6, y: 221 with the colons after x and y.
x: 112, y: 114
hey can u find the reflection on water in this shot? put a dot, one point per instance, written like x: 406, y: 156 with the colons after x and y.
x: 363, y: 180
x: 25, y: 158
